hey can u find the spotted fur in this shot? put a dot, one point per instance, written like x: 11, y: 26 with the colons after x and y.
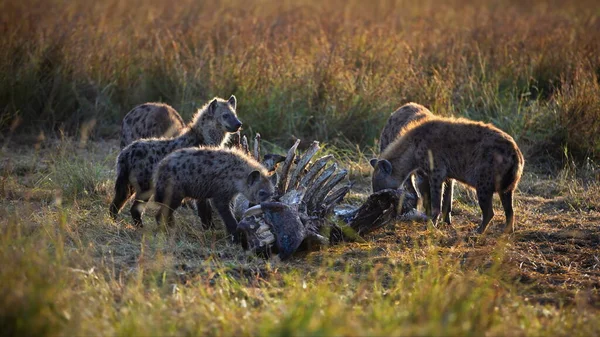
x: 210, y: 173
x: 417, y: 185
x: 407, y: 113
x: 150, y: 120
x: 476, y: 154
x: 211, y: 125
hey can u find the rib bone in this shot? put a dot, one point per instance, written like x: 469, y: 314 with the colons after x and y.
x: 331, y: 183
x: 315, y: 168
x: 244, y: 144
x: 312, y: 189
x: 256, y: 152
x: 282, y: 184
x: 335, y: 197
x: 312, y: 150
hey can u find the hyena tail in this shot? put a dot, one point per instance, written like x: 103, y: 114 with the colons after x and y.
x: 513, y: 176
x: 123, y: 189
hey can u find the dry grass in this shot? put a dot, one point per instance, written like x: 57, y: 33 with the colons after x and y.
x: 68, y: 269
x: 330, y: 71
x: 307, y: 68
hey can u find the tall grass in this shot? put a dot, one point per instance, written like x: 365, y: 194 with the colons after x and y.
x: 331, y: 71
x: 55, y: 282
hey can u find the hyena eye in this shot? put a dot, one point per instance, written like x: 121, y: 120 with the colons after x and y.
x: 263, y: 194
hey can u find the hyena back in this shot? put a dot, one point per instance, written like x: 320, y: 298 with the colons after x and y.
x: 476, y: 154
x: 407, y: 113
x: 211, y: 125
x: 417, y: 184
x: 150, y: 120
x: 210, y: 173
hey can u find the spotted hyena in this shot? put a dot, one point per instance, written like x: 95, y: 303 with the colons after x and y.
x: 150, y: 120
x: 476, y: 154
x: 417, y: 184
x: 212, y: 173
x: 211, y: 125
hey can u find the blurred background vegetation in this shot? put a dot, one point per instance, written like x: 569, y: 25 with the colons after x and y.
x: 331, y: 71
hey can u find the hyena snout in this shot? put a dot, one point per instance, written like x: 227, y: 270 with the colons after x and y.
x: 382, y: 175
x: 264, y: 195
x: 261, y: 188
x: 231, y: 123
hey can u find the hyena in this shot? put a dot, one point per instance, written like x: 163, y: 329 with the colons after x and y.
x: 210, y: 173
x: 407, y: 113
x: 211, y: 125
x: 476, y: 154
x: 417, y: 184
x: 150, y: 120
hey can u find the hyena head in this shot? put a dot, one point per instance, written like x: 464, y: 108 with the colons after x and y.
x: 223, y: 113
x: 260, y: 188
x: 382, y: 175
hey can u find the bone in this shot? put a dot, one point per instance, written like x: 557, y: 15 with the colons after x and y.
x: 413, y: 215
x: 293, y: 197
x: 244, y: 144
x: 235, y: 140
x: 315, y: 168
x: 267, y: 239
x: 263, y: 228
x: 256, y: 152
x: 254, y: 210
x: 329, y: 185
x: 335, y: 197
x: 312, y: 150
x: 313, y: 188
x: 282, y: 184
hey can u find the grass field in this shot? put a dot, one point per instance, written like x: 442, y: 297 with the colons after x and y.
x: 332, y: 71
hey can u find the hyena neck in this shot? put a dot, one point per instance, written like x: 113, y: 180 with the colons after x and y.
x: 242, y: 188
x: 189, y: 138
x: 216, y: 137
x: 212, y: 133
x: 404, y: 167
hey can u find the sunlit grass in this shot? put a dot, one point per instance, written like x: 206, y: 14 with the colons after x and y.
x: 331, y: 71
x: 68, y: 269
x: 53, y: 285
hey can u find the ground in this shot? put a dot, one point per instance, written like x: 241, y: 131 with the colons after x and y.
x: 63, y: 258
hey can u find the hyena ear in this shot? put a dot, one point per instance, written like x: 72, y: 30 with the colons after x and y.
x: 385, y: 166
x: 274, y: 178
x: 271, y: 160
x: 233, y: 101
x: 253, y: 178
x: 373, y: 162
x: 212, y: 107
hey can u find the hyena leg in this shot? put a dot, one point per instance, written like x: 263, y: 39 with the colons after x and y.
x: 168, y: 205
x: 411, y: 188
x: 223, y: 206
x: 137, y: 209
x: 436, y: 185
x: 447, y: 201
x: 424, y: 189
x: 485, y: 197
x: 507, y: 203
x: 205, y: 213
x: 165, y: 213
x: 122, y: 193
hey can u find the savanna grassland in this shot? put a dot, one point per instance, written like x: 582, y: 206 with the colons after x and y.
x: 331, y: 71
